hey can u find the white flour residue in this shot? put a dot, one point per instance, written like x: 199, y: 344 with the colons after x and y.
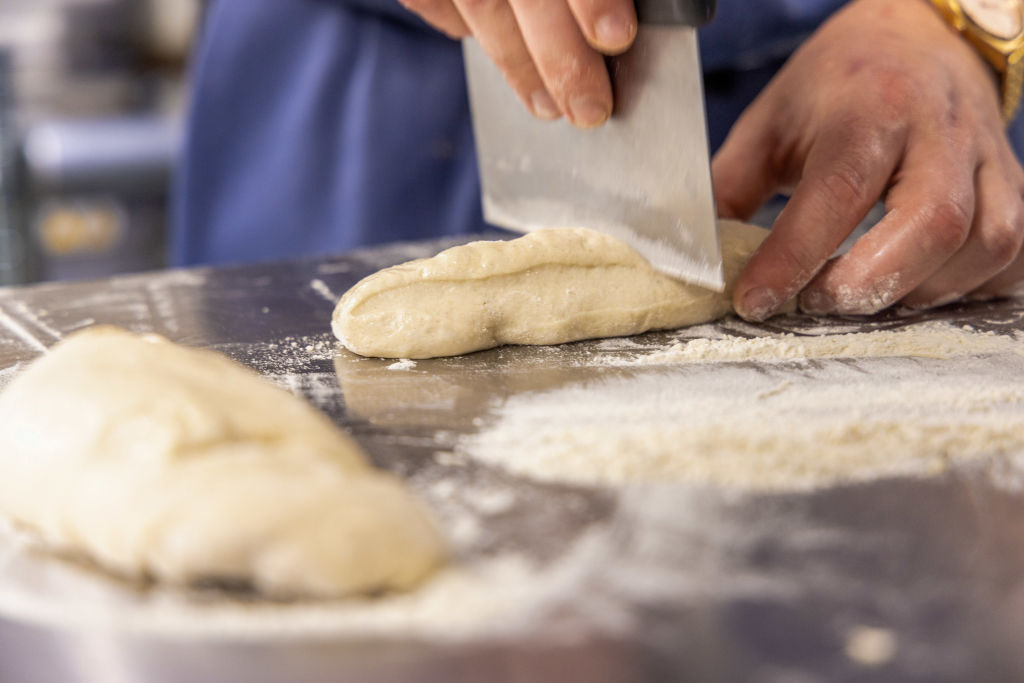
x: 755, y: 428
x: 490, y: 502
x: 490, y: 597
x: 289, y: 355
x: 618, y: 344
x: 320, y: 388
x: 936, y: 340
x: 402, y: 364
x: 321, y: 288
x: 84, y: 598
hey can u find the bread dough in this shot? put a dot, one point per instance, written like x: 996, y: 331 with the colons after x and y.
x: 159, y: 460
x: 547, y: 287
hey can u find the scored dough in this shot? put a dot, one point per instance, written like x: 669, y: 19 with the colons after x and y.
x: 159, y: 460
x: 547, y: 287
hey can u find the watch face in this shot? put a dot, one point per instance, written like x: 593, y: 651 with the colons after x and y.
x: 1001, y: 18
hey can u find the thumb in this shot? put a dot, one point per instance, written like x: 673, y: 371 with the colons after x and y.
x: 742, y: 172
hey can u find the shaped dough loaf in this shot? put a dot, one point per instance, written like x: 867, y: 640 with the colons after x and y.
x: 161, y: 460
x: 547, y: 287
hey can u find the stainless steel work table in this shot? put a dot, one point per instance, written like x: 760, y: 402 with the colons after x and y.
x: 771, y: 591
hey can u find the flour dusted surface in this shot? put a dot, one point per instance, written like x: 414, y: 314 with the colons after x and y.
x: 935, y: 340
x: 773, y: 413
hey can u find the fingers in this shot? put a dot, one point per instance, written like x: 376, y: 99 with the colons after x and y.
x: 494, y: 25
x: 993, y: 244
x: 929, y: 214
x: 742, y: 173
x: 547, y: 51
x: 845, y: 172
x: 608, y: 25
x: 1007, y: 209
x: 441, y: 14
x: 573, y: 72
x: 1009, y: 282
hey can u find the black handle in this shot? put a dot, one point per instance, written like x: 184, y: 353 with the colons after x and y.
x: 690, y: 12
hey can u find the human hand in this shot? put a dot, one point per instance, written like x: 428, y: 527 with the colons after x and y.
x: 549, y: 50
x: 885, y: 100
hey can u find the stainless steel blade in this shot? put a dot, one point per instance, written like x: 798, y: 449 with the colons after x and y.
x: 644, y: 176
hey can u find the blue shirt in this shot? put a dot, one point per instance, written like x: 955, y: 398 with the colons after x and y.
x: 322, y: 125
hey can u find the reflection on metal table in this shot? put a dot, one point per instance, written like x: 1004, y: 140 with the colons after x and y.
x: 904, y: 578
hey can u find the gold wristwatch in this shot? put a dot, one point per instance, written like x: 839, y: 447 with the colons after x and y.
x: 995, y: 28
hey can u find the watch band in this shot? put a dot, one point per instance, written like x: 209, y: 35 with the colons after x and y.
x: 1013, y: 86
x: 1004, y: 55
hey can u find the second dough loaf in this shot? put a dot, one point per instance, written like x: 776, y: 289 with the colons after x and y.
x: 177, y: 463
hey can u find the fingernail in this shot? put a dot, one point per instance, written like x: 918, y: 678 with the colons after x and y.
x: 613, y: 31
x: 758, y: 304
x: 587, y: 112
x: 817, y: 302
x: 543, y: 106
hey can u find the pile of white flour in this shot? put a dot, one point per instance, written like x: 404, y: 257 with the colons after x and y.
x: 928, y: 340
x: 794, y: 413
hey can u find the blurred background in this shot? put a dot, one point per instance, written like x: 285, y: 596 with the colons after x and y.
x: 92, y: 100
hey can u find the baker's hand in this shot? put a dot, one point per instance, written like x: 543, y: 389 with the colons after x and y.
x: 549, y: 50
x: 886, y: 101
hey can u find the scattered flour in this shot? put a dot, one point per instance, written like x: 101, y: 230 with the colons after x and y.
x: 79, y: 597
x: 490, y: 502
x: 908, y: 402
x: 935, y: 340
x: 321, y: 288
x: 450, y: 459
x: 319, y: 388
x: 403, y: 364
x: 497, y: 596
x: 288, y: 355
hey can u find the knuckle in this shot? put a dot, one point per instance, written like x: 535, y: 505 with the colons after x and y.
x: 894, y: 89
x: 866, y: 137
x: 845, y: 185
x: 948, y: 223
x: 517, y: 65
x: 874, y: 132
x: 1002, y: 239
x: 567, y: 73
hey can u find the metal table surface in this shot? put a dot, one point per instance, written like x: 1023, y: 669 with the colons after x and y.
x: 778, y: 588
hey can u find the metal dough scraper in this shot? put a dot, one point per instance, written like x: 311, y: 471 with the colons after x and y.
x: 644, y: 176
